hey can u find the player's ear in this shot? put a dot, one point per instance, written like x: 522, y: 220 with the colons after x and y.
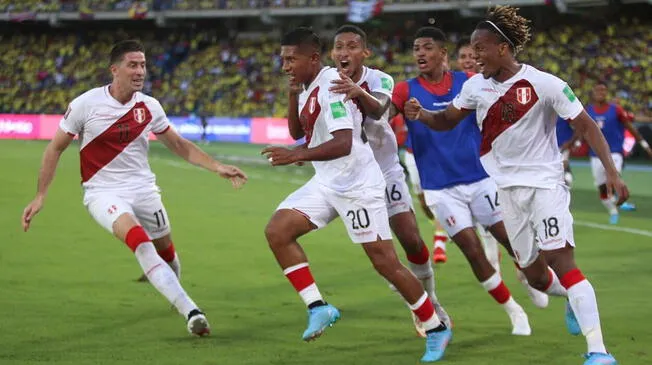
x: 367, y: 52
x: 316, y: 57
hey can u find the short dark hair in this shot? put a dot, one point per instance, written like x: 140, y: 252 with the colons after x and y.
x: 349, y: 28
x: 463, y: 42
x: 436, y: 34
x: 302, y: 36
x: 126, y: 46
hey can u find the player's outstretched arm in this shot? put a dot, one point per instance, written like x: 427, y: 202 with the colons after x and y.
x: 49, y: 163
x: 193, y: 154
x: 591, y: 133
x: 338, y: 146
x: 442, y: 120
x: 294, y: 124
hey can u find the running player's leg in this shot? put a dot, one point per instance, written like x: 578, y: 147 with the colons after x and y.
x: 404, y: 225
x: 116, y: 215
x: 301, y: 212
x: 486, y: 209
x: 452, y: 206
x: 365, y: 216
x: 151, y: 213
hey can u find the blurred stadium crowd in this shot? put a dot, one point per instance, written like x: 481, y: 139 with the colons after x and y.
x: 205, y: 72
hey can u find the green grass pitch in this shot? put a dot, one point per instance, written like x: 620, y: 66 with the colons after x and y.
x: 68, y: 296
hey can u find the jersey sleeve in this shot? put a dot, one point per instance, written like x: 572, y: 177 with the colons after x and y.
x: 73, y: 121
x: 160, y: 122
x: 561, y: 97
x: 382, y: 83
x: 465, y: 100
x: 400, y: 95
x: 336, y: 112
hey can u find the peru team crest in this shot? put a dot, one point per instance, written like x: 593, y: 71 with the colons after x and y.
x: 312, y: 104
x: 139, y: 115
x: 524, y: 95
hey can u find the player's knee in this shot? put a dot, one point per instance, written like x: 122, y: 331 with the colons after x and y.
x: 135, y: 237
x: 412, y: 243
x: 539, y: 282
x: 275, y: 234
x: 385, y: 263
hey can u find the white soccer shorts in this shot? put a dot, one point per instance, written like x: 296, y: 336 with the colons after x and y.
x: 459, y: 207
x: 599, y: 173
x: 363, y: 212
x: 147, y: 208
x: 397, y: 193
x: 536, y: 219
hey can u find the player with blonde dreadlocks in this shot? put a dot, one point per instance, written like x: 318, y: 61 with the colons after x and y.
x: 517, y: 107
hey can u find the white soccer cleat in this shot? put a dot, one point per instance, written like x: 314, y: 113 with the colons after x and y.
x: 198, y: 324
x: 520, y: 323
x: 539, y: 298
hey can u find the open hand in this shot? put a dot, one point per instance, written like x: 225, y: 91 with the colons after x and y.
x: 30, y: 211
x: 237, y: 177
x: 346, y: 86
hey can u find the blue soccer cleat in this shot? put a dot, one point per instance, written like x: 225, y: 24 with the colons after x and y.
x: 596, y: 358
x: 572, y: 325
x: 627, y: 207
x: 613, y: 219
x: 436, y: 343
x: 318, y: 319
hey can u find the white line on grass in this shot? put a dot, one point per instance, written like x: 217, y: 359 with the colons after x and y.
x: 605, y: 227
x: 640, y: 232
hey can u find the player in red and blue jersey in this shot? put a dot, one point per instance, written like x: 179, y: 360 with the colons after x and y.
x: 612, y: 120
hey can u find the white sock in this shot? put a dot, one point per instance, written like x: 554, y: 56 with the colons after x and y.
x: 426, y: 275
x: 582, y: 299
x: 162, y: 277
x: 432, y: 322
x: 490, y: 245
x: 554, y: 287
x: 440, y: 239
x: 610, y: 205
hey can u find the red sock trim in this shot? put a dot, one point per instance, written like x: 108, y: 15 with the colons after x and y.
x: 551, y: 278
x: 571, y: 278
x: 500, y: 293
x: 135, y: 237
x: 300, y: 278
x: 603, y: 196
x: 425, y: 311
x: 167, y: 254
x: 420, y: 258
x: 440, y: 238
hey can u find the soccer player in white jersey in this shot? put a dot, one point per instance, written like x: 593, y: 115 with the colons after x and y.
x: 347, y: 183
x: 371, y: 90
x: 113, y: 123
x: 517, y: 106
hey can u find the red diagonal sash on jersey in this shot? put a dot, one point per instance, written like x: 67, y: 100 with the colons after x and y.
x: 506, y: 111
x: 110, y: 143
x: 309, y: 113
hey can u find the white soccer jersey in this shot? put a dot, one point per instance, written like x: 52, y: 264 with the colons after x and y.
x: 322, y: 112
x: 517, y: 118
x: 114, y: 139
x: 379, y: 133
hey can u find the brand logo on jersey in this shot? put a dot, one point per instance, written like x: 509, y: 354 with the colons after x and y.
x: 139, y: 115
x: 523, y: 95
x: 338, y: 110
x: 451, y: 221
x: 569, y: 94
x: 386, y: 83
x: 443, y: 103
x: 311, y: 104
